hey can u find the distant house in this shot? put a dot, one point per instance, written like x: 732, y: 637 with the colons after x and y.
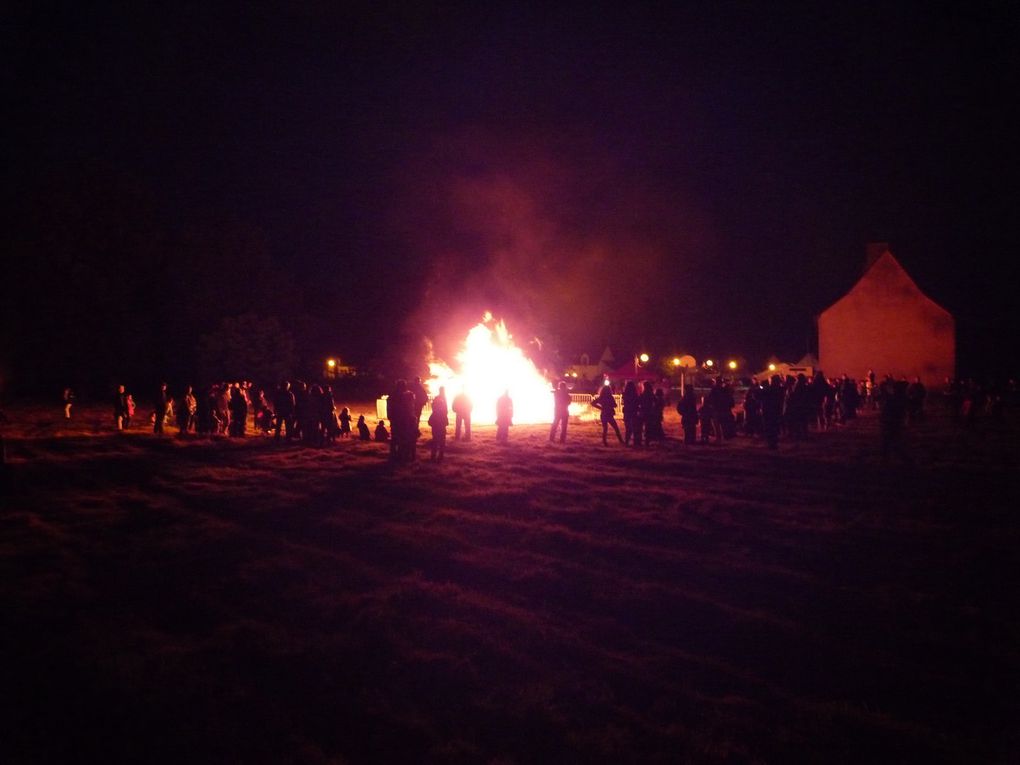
x: 584, y: 371
x: 806, y: 366
x: 886, y: 324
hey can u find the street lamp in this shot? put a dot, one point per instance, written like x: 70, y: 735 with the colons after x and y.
x: 732, y: 365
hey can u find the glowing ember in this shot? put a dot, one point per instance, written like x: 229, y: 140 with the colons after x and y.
x: 490, y: 364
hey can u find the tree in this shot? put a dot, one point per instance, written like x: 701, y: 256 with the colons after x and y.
x: 247, y: 347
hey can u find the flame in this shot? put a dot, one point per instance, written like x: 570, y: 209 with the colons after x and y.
x: 490, y: 364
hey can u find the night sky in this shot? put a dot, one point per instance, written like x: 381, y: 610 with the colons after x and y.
x: 658, y: 177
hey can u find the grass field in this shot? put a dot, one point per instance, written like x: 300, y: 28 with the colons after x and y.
x: 170, y: 600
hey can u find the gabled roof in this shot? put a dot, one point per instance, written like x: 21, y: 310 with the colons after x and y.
x: 887, y: 275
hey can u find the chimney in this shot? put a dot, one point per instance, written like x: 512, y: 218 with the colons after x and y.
x: 873, y: 251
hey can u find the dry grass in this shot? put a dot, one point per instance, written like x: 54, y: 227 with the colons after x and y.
x: 197, y: 600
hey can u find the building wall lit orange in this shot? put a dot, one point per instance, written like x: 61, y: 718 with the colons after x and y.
x: 886, y: 324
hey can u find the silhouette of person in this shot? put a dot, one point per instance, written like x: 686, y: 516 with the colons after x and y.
x: 121, y: 417
x: 631, y: 414
x: 438, y: 421
x: 400, y: 409
x: 162, y: 402
x: 462, y: 407
x: 186, y: 411
x: 892, y: 411
x: 646, y: 413
x: 687, y: 408
x: 606, y: 404
x: 772, y: 399
x: 421, y: 397
x: 916, y: 393
x: 238, y: 408
x: 68, y: 401
x: 561, y: 412
x: 381, y: 434
x: 504, y: 417
x: 283, y: 405
x: 363, y: 432
x: 345, y: 422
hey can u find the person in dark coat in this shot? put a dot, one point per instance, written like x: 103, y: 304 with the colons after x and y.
x: 161, y: 404
x: 238, y: 406
x: 381, y: 434
x: 300, y: 419
x: 400, y: 410
x: 186, y: 409
x: 438, y: 421
x: 916, y: 393
x: 121, y: 416
x: 631, y: 414
x: 421, y: 398
x: 752, y: 409
x: 363, y: 432
x: 606, y: 404
x: 892, y: 411
x: 462, y: 407
x: 504, y: 417
x: 345, y: 422
x: 314, y: 415
x: 283, y: 405
x: 688, y: 411
x: 720, y: 402
x: 653, y: 422
x: 561, y: 412
x: 646, y: 412
x: 772, y: 400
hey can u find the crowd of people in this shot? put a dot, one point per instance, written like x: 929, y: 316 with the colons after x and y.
x: 778, y: 408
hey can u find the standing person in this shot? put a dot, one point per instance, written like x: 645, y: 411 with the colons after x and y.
x: 162, y: 403
x: 688, y: 411
x: 68, y: 401
x: 646, y: 411
x: 400, y: 410
x: 606, y: 404
x: 363, y: 432
x: 561, y: 412
x: 129, y: 405
x: 892, y: 406
x: 707, y: 418
x: 462, y: 407
x: 421, y: 397
x: 916, y: 393
x: 772, y: 399
x: 653, y: 427
x: 238, y: 411
x: 345, y: 423
x: 631, y: 418
x: 283, y: 404
x: 186, y: 411
x: 300, y: 419
x: 752, y: 409
x: 504, y: 417
x: 330, y: 428
x: 121, y: 418
x: 438, y: 421
x: 315, y: 413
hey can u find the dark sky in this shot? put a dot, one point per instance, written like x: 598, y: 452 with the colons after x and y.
x: 699, y: 179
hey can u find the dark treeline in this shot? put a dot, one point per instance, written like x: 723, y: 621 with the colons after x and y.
x: 101, y: 288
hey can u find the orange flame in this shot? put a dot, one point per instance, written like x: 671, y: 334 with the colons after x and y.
x: 490, y: 364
